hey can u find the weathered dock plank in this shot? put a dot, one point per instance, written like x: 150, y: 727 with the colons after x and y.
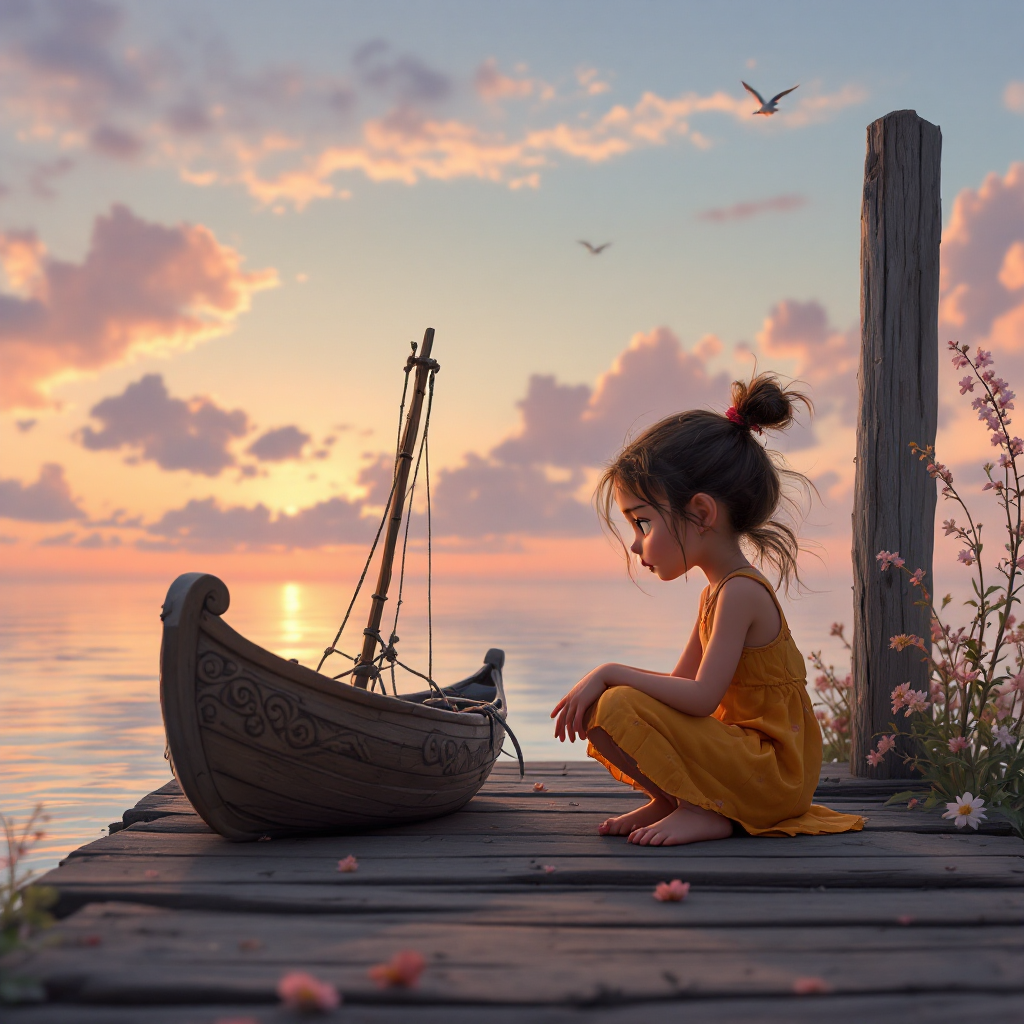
x: 908, y: 917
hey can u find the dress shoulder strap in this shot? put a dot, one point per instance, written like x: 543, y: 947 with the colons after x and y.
x: 751, y: 574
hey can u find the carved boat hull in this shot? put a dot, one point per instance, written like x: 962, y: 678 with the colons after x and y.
x: 265, y: 747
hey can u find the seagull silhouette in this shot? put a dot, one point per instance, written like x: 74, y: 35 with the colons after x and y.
x: 594, y: 250
x: 771, y: 106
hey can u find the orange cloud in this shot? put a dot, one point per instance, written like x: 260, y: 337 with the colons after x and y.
x: 493, y: 86
x: 141, y: 287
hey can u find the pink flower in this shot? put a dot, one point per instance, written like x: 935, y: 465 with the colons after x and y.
x: 949, y: 526
x: 874, y: 758
x: 302, y: 991
x: 886, y: 743
x: 403, y: 970
x: 983, y: 358
x: 810, y: 986
x: 1016, y: 446
x: 836, y: 630
x: 840, y: 723
x: 916, y: 576
x: 901, y: 641
x: 966, y: 557
x: 916, y: 702
x: 348, y: 865
x: 888, y: 558
x: 967, y: 384
x: 821, y: 683
x: 1016, y: 683
x: 958, y: 744
x: 899, y: 696
x: 671, y: 892
x: 912, y: 803
x: 996, y: 438
x: 539, y: 787
x: 960, y: 361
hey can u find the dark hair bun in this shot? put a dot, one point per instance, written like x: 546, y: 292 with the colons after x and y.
x: 764, y: 402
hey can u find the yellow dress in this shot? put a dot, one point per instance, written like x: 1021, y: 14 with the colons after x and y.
x: 756, y: 759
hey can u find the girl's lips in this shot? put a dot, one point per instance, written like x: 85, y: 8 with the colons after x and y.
x: 647, y: 565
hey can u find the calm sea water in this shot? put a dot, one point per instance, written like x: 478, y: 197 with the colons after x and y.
x: 80, y: 727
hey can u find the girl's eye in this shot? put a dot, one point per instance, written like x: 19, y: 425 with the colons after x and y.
x: 643, y: 525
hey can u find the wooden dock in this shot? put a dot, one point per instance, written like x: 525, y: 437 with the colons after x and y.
x: 909, y: 920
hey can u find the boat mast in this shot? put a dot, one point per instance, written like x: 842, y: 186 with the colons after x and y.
x: 365, y: 668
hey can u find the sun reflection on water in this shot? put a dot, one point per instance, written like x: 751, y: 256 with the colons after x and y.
x: 291, y: 623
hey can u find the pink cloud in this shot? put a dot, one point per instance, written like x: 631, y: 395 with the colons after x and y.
x: 48, y: 500
x: 1013, y: 97
x: 530, y: 482
x: 141, y: 287
x: 193, y: 435
x: 982, y: 284
x: 208, y: 526
x: 823, y: 356
x: 746, y: 210
x: 279, y: 444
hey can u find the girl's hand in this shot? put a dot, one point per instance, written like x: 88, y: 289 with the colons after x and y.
x: 570, y: 711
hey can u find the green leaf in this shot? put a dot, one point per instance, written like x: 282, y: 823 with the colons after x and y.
x: 899, y: 798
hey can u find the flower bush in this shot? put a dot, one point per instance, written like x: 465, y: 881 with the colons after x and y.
x: 24, y: 908
x: 834, y: 692
x: 966, y: 730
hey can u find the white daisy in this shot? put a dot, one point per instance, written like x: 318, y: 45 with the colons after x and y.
x: 966, y: 810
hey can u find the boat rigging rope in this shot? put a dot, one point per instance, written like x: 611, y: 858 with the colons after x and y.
x: 489, y: 709
x: 380, y: 529
x: 388, y: 651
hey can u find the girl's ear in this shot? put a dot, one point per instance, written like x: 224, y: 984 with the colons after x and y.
x: 705, y: 511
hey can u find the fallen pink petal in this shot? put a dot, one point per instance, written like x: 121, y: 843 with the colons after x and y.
x: 547, y: 868
x: 539, y: 787
x: 671, y: 892
x: 403, y: 970
x: 348, y: 864
x: 301, y: 991
x: 810, y: 985
x: 151, y: 873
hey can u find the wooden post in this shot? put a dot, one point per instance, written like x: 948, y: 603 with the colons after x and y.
x: 364, y: 669
x: 894, y: 498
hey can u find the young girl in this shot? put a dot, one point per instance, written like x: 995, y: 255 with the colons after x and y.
x: 729, y: 736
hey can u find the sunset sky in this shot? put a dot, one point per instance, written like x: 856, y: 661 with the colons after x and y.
x: 222, y: 223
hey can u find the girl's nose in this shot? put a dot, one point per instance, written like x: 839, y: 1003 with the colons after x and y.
x: 637, y: 547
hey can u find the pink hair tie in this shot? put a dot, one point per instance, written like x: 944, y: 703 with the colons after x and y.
x: 740, y: 420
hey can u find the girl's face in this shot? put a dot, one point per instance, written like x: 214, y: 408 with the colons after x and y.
x: 654, y: 539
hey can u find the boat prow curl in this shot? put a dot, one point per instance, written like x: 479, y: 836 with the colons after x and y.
x: 263, y: 746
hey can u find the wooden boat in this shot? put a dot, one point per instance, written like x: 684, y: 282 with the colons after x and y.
x: 263, y: 746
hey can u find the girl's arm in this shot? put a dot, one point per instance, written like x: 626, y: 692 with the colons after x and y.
x: 698, y: 696
x: 689, y: 660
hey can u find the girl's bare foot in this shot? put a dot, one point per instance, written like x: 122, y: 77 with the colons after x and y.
x: 624, y: 824
x: 683, y: 825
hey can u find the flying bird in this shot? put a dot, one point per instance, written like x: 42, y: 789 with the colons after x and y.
x: 594, y: 250
x: 771, y: 106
